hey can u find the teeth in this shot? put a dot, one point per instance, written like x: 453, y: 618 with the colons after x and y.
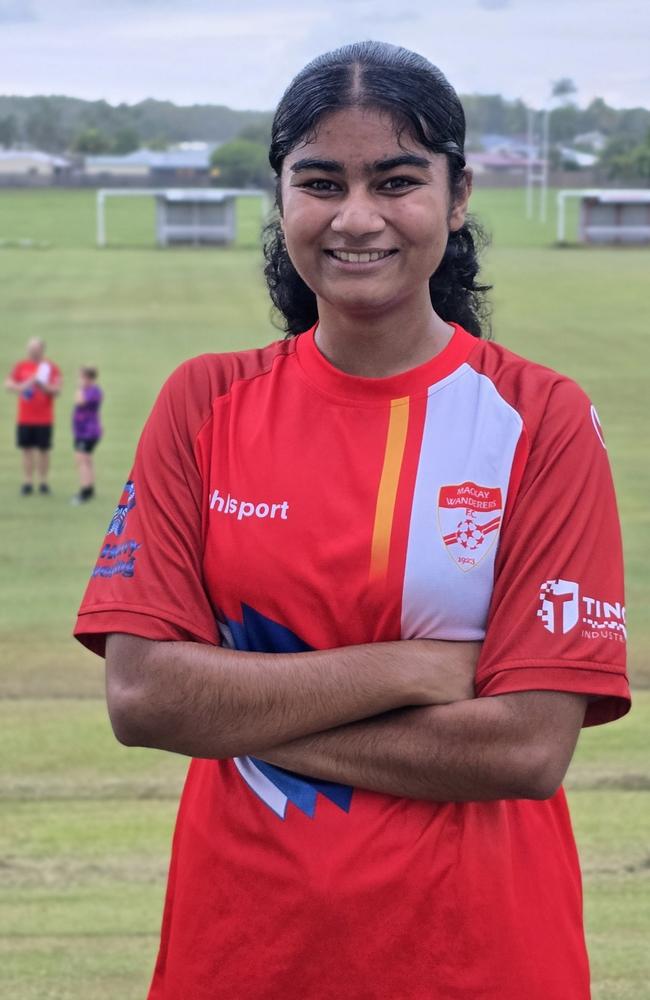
x: 360, y: 258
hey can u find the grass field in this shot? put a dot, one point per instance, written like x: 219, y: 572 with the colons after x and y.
x: 85, y: 824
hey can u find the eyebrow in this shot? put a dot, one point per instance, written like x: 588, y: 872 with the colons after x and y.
x: 334, y: 167
x: 312, y: 163
x: 406, y: 160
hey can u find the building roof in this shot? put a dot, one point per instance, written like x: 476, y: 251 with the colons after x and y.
x: 577, y: 157
x: 171, y: 159
x: 34, y: 154
x: 499, y: 161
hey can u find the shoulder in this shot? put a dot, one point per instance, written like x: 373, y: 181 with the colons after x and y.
x: 217, y: 373
x: 190, y: 393
x: 540, y: 395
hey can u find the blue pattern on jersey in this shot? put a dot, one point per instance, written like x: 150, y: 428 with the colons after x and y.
x: 303, y: 792
x: 257, y: 633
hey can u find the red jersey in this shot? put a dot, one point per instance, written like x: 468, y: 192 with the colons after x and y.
x: 279, y: 504
x: 35, y: 405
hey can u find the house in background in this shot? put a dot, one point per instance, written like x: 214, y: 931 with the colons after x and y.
x: 576, y: 159
x: 499, y: 162
x: 596, y: 141
x: 31, y: 164
x: 189, y: 163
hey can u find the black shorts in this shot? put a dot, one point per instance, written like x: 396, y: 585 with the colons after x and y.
x: 87, y: 445
x: 34, y: 436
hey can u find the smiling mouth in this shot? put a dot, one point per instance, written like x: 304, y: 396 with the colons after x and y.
x: 363, y: 257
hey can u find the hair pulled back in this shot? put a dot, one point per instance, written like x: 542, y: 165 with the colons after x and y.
x: 422, y: 102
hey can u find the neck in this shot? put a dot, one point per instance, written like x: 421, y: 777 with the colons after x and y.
x: 382, y: 345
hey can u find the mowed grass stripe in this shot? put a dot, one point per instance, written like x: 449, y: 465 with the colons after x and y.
x: 54, y: 749
x: 73, y: 967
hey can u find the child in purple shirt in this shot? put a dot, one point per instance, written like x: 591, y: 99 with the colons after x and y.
x: 86, y: 431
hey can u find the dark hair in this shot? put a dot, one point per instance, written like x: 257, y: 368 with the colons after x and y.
x: 421, y: 100
x: 88, y: 371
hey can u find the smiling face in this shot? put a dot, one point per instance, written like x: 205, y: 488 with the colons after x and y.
x: 366, y: 213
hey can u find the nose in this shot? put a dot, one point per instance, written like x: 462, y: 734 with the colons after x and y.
x: 358, y: 215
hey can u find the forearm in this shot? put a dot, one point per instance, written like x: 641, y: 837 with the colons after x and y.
x: 207, y: 701
x: 483, y: 749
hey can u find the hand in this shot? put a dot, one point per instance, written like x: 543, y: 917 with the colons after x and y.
x: 445, y: 671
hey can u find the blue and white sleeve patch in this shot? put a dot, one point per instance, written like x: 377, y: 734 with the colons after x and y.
x: 119, y: 559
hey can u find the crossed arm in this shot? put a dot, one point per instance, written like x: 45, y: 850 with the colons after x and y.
x: 395, y: 717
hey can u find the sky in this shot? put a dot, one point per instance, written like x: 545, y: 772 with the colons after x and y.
x: 244, y: 53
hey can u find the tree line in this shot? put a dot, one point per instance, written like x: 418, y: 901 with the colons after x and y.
x: 60, y: 124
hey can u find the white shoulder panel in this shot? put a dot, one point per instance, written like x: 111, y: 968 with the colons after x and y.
x: 468, y: 445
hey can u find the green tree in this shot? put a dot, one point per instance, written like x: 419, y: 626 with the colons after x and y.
x: 8, y: 131
x: 43, y: 127
x: 159, y: 142
x: 241, y: 163
x: 92, y: 142
x: 563, y: 88
x: 125, y: 141
x: 624, y: 160
x: 259, y: 132
x: 600, y: 117
x: 564, y: 122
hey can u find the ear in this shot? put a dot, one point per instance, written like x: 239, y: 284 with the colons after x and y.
x: 458, y: 211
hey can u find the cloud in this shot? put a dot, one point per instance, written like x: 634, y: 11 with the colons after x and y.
x: 244, y: 52
x: 16, y: 11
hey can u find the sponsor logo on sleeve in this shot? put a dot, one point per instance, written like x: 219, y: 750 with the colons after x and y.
x: 121, y: 512
x: 469, y: 517
x: 563, y: 607
x: 119, y: 559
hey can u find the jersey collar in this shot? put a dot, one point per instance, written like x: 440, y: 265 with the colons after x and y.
x: 416, y: 381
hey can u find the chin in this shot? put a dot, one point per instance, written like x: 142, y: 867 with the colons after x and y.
x: 366, y: 305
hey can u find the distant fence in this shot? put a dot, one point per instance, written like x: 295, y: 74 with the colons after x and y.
x: 556, y: 179
x: 78, y: 180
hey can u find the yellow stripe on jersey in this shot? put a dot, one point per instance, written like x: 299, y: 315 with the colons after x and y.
x: 395, y: 440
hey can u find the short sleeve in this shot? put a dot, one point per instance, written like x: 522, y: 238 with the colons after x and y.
x: 557, y: 615
x: 148, y: 577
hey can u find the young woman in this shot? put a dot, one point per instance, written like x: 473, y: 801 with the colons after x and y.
x: 86, y: 431
x: 364, y: 576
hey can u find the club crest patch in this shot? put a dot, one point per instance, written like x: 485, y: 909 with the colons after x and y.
x: 469, y: 517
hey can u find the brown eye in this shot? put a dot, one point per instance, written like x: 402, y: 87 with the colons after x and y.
x: 399, y: 183
x: 320, y: 184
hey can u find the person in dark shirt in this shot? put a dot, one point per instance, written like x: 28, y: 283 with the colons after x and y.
x: 86, y: 431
